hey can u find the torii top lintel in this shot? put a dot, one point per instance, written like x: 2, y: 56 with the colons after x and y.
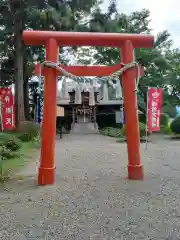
x: 38, y: 38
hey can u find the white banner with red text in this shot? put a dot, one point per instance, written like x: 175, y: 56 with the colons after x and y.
x: 7, y: 108
x: 154, y: 108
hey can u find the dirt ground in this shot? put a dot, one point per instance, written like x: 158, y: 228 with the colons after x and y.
x: 92, y: 199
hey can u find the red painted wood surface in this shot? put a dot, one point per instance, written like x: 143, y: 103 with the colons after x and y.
x: 47, y: 168
x: 135, y: 168
x: 88, y: 39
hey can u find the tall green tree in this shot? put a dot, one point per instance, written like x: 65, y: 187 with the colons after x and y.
x: 18, y: 15
x: 159, y: 62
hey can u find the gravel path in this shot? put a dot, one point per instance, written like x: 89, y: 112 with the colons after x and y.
x: 92, y: 200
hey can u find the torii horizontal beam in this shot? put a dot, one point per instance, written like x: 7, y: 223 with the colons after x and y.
x: 39, y: 38
x: 92, y: 71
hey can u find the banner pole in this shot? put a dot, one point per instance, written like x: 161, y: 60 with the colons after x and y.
x: 1, y: 116
x: 147, y: 111
x: 36, y: 115
x: 12, y: 109
x: 122, y: 114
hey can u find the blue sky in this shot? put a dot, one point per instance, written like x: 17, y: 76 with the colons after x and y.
x: 165, y: 14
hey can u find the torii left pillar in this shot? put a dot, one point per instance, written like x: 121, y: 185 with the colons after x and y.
x: 47, y: 167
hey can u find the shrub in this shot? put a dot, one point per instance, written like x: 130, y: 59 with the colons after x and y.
x: 170, y: 110
x: 6, y: 153
x: 37, y: 139
x: 142, y: 130
x: 123, y: 131
x: 117, y: 132
x: 12, y: 143
x: 164, y: 121
x: 166, y: 130
x: 27, y: 131
x: 175, y: 125
x: 142, y: 118
x: 110, y: 131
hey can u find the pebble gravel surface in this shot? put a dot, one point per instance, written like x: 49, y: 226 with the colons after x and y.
x: 92, y: 199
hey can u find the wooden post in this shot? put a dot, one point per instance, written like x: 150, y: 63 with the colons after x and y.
x: 135, y: 168
x: 47, y: 167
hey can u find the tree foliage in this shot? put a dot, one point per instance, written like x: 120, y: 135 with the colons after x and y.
x: 162, y: 63
x: 18, y: 15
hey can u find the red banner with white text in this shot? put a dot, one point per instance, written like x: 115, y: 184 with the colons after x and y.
x: 154, y: 109
x: 7, y: 108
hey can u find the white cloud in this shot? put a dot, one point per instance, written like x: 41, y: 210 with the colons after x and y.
x: 164, y: 14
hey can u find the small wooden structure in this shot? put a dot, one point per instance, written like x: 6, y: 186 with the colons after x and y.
x: 60, y: 111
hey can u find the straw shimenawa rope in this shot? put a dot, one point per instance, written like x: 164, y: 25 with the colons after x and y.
x: 113, y: 76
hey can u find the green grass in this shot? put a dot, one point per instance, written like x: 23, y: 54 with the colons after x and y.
x: 24, y: 155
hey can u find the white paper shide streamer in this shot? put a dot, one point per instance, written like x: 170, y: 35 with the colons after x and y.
x: 91, y: 94
x: 78, y: 98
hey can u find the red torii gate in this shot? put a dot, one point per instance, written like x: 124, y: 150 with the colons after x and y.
x: 127, y: 43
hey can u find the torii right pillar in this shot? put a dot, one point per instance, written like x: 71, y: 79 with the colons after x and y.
x: 135, y: 168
